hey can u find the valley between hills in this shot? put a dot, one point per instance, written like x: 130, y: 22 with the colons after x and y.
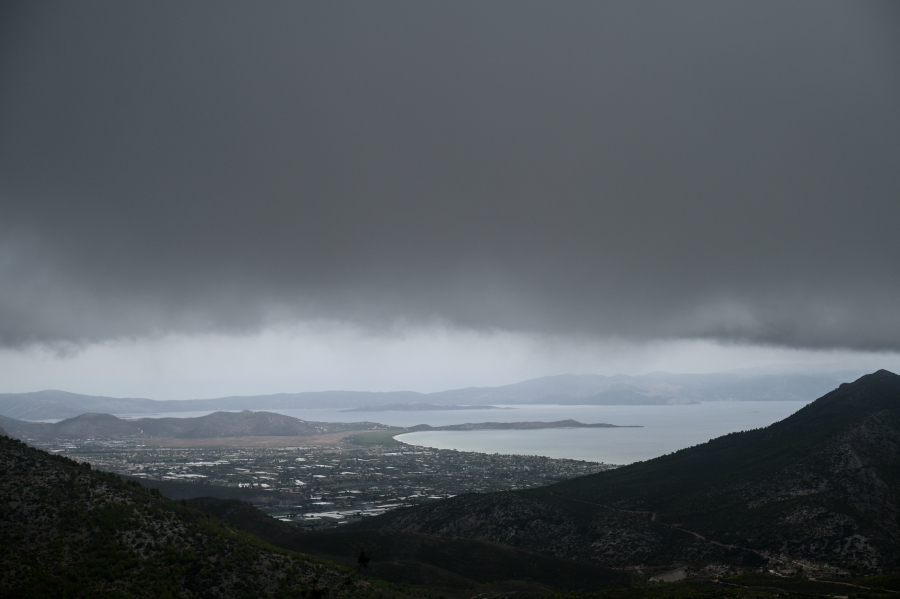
x: 809, y: 506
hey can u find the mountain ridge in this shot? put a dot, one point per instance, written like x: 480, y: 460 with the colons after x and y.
x: 69, y: 531
x: 821, y: 487
x: 217, y: 424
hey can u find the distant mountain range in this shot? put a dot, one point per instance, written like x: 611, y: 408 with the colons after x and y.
x: 233, y: 424
x: 650, y: 389
x: 215, y: 425
x: 821, y: 487
x: 618, y: 394
x: 419, y: 407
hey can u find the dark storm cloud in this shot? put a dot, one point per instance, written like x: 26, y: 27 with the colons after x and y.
x: 645, y: 169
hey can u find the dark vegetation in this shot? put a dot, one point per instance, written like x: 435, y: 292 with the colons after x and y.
x: 759, y: 587
x: 798, y: 583
x: 69, y: 531
x: 451, y: 566
x: 187, y: 490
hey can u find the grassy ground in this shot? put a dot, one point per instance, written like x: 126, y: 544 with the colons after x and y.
x: 886, y: 581
x: 746, y: 586
x: 680, y: 590
x: 802, y: 584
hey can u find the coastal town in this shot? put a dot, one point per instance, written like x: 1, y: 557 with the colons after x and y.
x: 321, y: 486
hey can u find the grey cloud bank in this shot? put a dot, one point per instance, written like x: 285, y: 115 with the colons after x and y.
x: 646, y: 170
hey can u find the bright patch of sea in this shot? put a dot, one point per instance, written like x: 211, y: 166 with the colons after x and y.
x: 664, y: 429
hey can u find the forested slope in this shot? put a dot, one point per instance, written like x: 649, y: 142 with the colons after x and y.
x: 69, y: 531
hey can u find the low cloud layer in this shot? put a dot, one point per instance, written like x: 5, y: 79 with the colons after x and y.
x: 334, y: 356
x: 644, y: 170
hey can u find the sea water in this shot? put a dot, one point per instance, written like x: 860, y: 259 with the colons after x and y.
x: 664, y: 429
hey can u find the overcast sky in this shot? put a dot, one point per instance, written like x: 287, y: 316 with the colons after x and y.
x: 281, y: 196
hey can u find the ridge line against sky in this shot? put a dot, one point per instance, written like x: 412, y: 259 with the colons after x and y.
x: 217, y: 195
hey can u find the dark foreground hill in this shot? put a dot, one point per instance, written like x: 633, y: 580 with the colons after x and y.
x: 820, y: 489
x: 449, y: 566
x: 69, y: 531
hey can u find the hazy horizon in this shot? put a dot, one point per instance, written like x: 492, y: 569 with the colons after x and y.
x: 842, y: 371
